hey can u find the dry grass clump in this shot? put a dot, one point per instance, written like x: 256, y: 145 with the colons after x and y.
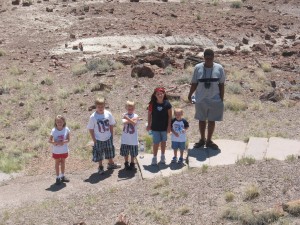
x: 157, y: 216
x: 79, y: 69
x: 235, y: 104
x: 245, y: 215
x: 229, y: 196
x: 245, y: 160
x: 233, y: 88
x: 292, y: 208
x: 2, y: 53
x: 162, y: 182
x: 148, y: 143
x: 14, y: 70
x: 183, y: 210
x: 266, y: 67
x: 236, y: 4
x: 251, y: 192
x: 291, y: 158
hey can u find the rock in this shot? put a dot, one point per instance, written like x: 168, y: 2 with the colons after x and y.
x: 124, y: 59
x: 154, y: 58
x: 273, y: 83
x: 295, y: 96
x: 220, y: 44
x: 66, y: 45
x: 168, y: 33
x: 21, y: 104
x: 275, y: 96
x: 172, y: 14
x: 43, y: 82
x: 159, y: 31
x: 72, y: 36
x: 101, y: 87
x: 250, y: 7
x: 288, y: 53
x: 27, y: 3
x: 290, y: 207
x: 15, y: 2
x: 111, y: 11
x: 267, y: 37
x: 192, y: 61
x: 292, y: 36
x: 259, y: 47
x: 172, y: 96
x: 134, y: 0
x: 92, y: 107
x: 86, y: 8
x: 273, y: 28
x: 177, y: 49
x: 75, y: 47
x: 80, y: 46
x: 48, y: 9
x: 143, y: 70
x: 245, y: 40
x: 160, y: 48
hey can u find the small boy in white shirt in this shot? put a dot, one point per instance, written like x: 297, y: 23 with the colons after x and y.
x: 129, y: 138
x: 178, y: 137
x: 100, y: 126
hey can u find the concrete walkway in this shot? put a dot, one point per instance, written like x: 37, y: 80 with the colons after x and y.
x: 229, y: 152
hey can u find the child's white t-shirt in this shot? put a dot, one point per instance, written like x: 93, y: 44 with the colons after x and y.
x: 178, y: 126
x: 130, y: 133
x: 60, y: 135
x: 101, y: 124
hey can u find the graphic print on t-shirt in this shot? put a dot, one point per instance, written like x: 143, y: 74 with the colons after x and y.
x: 128, y: 128
x: 60, y: 138
x: 103, y: 125
x: 159, y: 108
x: 178, y: 128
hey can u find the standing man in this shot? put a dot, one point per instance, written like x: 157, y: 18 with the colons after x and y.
x: 208, y: 82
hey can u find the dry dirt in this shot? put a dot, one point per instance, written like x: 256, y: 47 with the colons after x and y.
x: 261, y: 50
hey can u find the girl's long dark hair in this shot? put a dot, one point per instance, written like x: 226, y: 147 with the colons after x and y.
x: 154, y: 99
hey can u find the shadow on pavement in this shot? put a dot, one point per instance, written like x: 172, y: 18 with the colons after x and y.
x: 54, y: 187
x: 201, y: 154
x: 152, y: 169
x: 126, y: 174
x: 96, y: 177
x: 176, y: 166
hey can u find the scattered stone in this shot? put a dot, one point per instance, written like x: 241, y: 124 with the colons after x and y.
x: 168, y: 33
x: 259, y: 47
x: 134, y: 0
x: 275, y: 96
x: 160, y: 48
x: 111, y: 11
x: 273, y: 83
x: 245, y: 40
x: 72, y: 36
x: 66, y: 45
x: 126, y: 60
x: 92, y: 107
x: 154, y: 58
x: 295, y: 96
x: 159, y: 31
x: 288, y: 53
x: 43, y: 82
x: 7, y: 137
x: 21, y: 104
x: 75, y: 47
x: 86, y: 8
x: 273, y: 28
x: 15, y: 2
x: 172, y: 96
x: 177, y: 49
x: 250, y: 7
x: 143, y: 70
x: 27, y: 3
x: 101, y: 87
x: 80, y: 45
x: 142, y: 47
x: 267, y: 37
x: 172, y: 14
x: 48, y: 9
x: 220, y: 44
x: 292, y: 37
x: 192, y: 61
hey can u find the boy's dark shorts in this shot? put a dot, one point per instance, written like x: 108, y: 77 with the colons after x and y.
x: 103, y: 149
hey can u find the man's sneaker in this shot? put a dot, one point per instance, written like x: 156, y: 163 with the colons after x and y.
x: 212, y: 145
x: 200, y: 144
x: 180, y: 160
x: 132, y: 166
x: 154, y: 161
x: 100, y: 170
x: 163, y: 159
x: 174, y: 160
x: 58, y: 181
x: 113, y: 166
x: 64, y: 179
x: 126, y: 165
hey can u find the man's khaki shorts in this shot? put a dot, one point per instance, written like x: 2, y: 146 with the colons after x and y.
x: 209, y: 109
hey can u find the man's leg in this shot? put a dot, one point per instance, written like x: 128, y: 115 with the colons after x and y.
x: 202, y: 128
x: 210, y: 129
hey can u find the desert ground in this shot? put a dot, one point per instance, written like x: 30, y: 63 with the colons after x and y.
x: 56, y: 57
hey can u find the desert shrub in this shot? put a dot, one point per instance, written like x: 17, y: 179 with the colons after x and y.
x: 246, y: 160
x: 79, y: 69
x: 183, y: 210
x: 266, y: 67
x: 204, y: 168
x: 2, y: 53
x: 215, y: 2
x: 183, y: 80
x: 198, y: 17
x: 251, y: 192
x: 169, y: 70
x: 162, y: 182
x: 236, y: 4
x: 290, y: 158
x: 235, y: 104
x: 229, y: 196
x: 48, y: 81
x: 233, y: 88
x: 63, y: 94
x: 148, y: 143
x: 14, y: 70
x: 12, y: 161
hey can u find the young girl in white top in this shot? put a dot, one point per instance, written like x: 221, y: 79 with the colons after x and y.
x: 60, y: 136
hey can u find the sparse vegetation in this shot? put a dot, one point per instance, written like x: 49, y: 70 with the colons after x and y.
x: 2, y: 53
x: 229, y: 196
x: 204, y: 168
x: 183, y: 80
x: 291, y: 158
x: 198, y: 17
x: 14, y: 70
x: 79, y: 69
x: 236, y: 4
x: 169, y: 70
x: 183, y: 210
x: 161, y: 182
x: 148, y: 143
x: 246, y: 160
x: 233, y: 88
x: 266, y: 67
x: 251, y: 192
x: 235, y: 104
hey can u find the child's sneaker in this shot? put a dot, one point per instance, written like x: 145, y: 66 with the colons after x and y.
x: 163, y: 159
x: 113, y: 166
x: 132, y: 166
x: 180, y: 161
x: 100, y: 170
x: 64, y: 179
x: 154, y: 161
x: 126, y: 165
x: 58, y: 181
x: 174, y: 160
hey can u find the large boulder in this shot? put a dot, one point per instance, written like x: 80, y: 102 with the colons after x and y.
x: 159, y: 59
x: 143, y: 70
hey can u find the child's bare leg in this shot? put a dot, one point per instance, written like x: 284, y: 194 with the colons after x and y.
x: 126, y: 158
x: 155, y: 149
x: 57, y: 162
x: 132, y: 159
x: 62, y: 165
x: 175, y: 153
x: 163, y: 145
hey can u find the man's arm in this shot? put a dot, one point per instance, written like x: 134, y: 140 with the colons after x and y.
x: 192, y: 90
x: 221, y: 88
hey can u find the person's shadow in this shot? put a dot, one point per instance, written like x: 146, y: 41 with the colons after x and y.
x: 176, y: 166
x: 126, y: 174
x: 96, y: 177
x: 56, y: 187
x: 151, y: 168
